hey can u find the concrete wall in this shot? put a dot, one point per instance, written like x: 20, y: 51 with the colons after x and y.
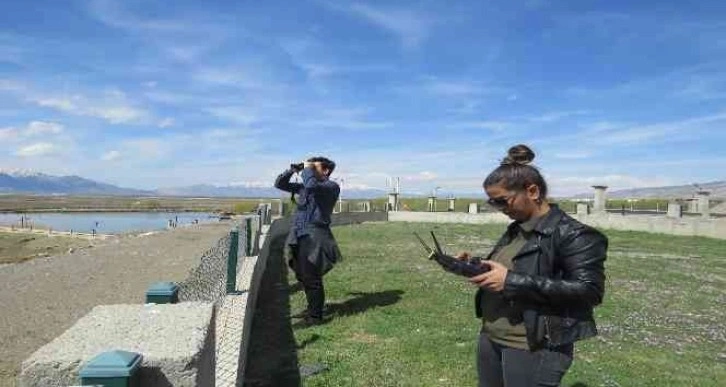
x: 447, y: 217
x: 690, y: 226
x: 175, y: 340
x: 344, y: 218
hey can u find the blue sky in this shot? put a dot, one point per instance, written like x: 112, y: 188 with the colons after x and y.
x: 156, y: 93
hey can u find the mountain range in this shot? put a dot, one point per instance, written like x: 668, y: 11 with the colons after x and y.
x: 24, y: 182
x: 34, y: 183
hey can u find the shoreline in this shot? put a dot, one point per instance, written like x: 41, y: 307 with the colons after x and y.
x: 102, y: 210
x: 41, y: 231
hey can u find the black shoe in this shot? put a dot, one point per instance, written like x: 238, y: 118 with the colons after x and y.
x: 310, y: 320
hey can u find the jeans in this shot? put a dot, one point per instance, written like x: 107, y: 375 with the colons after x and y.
x: 502, y: 366
x: 310, y: 276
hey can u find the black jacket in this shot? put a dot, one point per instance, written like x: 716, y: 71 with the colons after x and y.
x: 315, y: 203
x: 556, y: 279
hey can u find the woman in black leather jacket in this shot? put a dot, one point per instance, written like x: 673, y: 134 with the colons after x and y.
x: 546, y: 275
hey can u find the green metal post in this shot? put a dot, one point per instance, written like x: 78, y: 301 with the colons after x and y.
x: 232, y: 260
x: 112, y: 369
x: 250, y: 242
x: 162, y: 293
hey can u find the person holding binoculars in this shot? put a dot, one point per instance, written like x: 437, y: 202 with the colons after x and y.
x: 313, y: 248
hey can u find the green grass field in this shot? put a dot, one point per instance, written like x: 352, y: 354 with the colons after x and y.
x: 399, y: 320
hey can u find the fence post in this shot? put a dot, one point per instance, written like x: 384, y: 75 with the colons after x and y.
x: 232, y: 260
x: 250, y: 241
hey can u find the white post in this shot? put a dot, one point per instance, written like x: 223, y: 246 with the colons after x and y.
x: 599, y: 203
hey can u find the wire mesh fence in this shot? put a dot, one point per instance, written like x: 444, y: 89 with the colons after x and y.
x: 212, y: 280
x: 218, y: 279
x: 207, y: 281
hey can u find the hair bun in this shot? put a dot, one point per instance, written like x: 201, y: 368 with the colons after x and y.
x: 519, y: 155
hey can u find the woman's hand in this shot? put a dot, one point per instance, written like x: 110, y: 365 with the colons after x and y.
x: 463, y: 256
x: 493, y: 280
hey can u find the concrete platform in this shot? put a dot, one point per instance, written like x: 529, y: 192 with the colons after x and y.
x: 175, y: 340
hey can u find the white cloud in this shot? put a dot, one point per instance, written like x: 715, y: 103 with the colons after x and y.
x: 639, y: 134
x: 147, y: 148
x: 236, y: 114
x: 344, y: 124
x: 556, y: 116
x: 111, y: 106
x: 33, y: 129
x: 111, y: 155
x: 573, y: 155
x: 118, y: 114
x: 171, y: 98
x: 453, y: 88
x: 38, y: 149
x: 63, y: 104
x: 490, y: 125
x: 186, y: 53
x: 177, y: 33
x: 11, y: 85
x: 464, y: 89
x: 247, y: 76
x: 421, y: 176
x: 112, y: 14
x: 166, y: 122
x: 41, y: 127
x: 314, y: 58
x: 410, y: 27
x: 7, y: 134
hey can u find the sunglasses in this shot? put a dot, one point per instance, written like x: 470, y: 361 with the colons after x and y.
x: 500, y: 202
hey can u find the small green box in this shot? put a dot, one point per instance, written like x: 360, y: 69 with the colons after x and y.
x: 112, y: 369
x: 162, y: 293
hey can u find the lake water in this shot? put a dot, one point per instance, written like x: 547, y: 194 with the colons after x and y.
x: 105, y: 222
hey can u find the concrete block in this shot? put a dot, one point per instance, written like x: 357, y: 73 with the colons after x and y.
x: 599, y: 203
x: 175, y: 340
x: 392, y: 204
x: 583, y: 209
x: 674, y: 210
x: 432, y: 204
x: 473, y: 208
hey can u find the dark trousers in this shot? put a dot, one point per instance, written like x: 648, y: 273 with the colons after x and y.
x: 309, y: 275
x: 501, y: 366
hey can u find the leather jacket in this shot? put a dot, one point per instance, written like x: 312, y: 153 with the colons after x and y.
x: 556, y: 279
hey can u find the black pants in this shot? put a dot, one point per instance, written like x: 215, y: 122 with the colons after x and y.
x: 501, y: 366
x: 309, y: 275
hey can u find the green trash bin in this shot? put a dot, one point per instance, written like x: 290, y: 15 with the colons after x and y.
x: 162, y: 293
x: 112, y: 369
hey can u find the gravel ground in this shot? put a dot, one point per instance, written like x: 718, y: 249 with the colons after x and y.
x: 41, y: 298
